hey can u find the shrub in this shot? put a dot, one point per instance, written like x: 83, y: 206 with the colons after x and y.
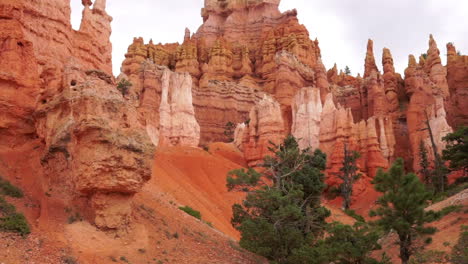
x: 460, y: 250
x: 189, y: 210
x: 124, y: 86
x: 206, y: 148
x: 8, y: 189
x: 6, y: 208
x: 430, y: 256
x: 15, y: 222
x: 74, y: 218
x: 69, y: 260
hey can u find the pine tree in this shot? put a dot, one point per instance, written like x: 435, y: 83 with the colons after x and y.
x: 347, y: 70
x: 348, y: 175
x: 282, y: 212
x: 425, y: 170
x: 457, y: 150
x: 402, y: 207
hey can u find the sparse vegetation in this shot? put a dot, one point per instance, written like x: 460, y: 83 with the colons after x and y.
x: 456, y: 151
x: 124, y: 259
x: 430, y: 256
x: 15, y: 222
x: 349, y: 175
x: 6, y: 188
x: 69, y: 260
x: 10, y: 220
x: 189, y: 210
x: 347, y: 70
x: 206, y: 148
x: 460, y: 250
x: 425, y: 170
x: 124, y: 86
x: 74, y: 218
x: 402, y: 208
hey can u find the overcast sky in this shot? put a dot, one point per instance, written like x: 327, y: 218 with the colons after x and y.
x: 341, y: 26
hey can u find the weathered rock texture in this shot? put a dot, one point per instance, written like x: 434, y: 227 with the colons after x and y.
x: 457, y: 77
x: 247, y: 49
x: 243, y: 50
x: 247, y: 64
x: 57, y: 86
x: 307, y: 110
x: 427, y: 86
x: 94, y: 145
x: 265, y: 126
x: 178, y: 126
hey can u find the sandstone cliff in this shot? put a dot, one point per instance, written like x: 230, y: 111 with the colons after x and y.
x: 59, y: 89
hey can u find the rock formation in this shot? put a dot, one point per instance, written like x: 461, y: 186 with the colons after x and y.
x: 392, y: 81
x: 178, y: 126
x: 370, y: 65
x: 243, y: 50
x: 306, y: 110
x: 59, y: 89
x: 457, y: 77
x: 265, y: 126
x: 426, y: 84
x: 93, y: 132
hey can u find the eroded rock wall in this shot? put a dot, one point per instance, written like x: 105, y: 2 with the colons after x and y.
x: 59, y: 95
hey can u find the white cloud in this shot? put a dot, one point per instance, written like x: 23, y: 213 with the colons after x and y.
x: 341, y: 26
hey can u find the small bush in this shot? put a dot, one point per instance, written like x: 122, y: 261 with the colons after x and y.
x: 69, y: 260
x: 15, y: 222
x: 206, y: 148
x: 354, y: 215
x: 124, y: 259
x: 189, y: 210
x: 6, y: 208
x: 460, y: 250
x: 8, y: 189
x: 431, y: 256
x: 74, y: 218
x: 124, y: 86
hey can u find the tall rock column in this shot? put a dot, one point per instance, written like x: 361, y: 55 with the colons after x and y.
x: 306, y: 111
x: 95, y: 148
x: 391, y: 80
x: 266, y: 124
x: 427, y: 86
x: 457, y: 77
x: 178, y: 126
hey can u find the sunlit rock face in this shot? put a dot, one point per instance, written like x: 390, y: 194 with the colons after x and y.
x: 307, y: 110
x: 265, y: 126
x: 178, y: 126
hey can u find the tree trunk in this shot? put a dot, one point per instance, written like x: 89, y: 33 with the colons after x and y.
x: 405, y: 249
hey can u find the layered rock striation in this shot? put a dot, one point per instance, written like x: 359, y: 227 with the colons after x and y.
x: 58, y: 91
x: 245, y: 50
